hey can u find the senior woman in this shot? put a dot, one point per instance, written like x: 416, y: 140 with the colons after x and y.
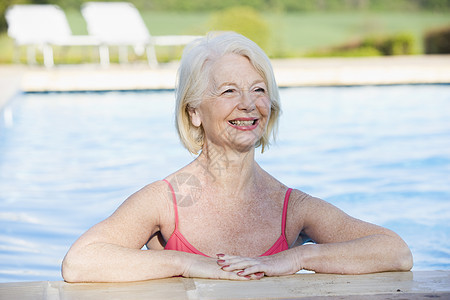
x: 222, y: 216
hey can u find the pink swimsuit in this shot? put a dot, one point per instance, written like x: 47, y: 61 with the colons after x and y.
x: 178, y: 242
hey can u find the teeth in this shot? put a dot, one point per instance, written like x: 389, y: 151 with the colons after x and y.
x: 242, y: 123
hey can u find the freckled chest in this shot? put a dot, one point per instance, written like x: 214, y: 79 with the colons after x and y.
x: 223, y: 226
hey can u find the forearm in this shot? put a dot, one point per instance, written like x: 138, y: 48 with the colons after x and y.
x: 102, y: 262
x: 375, y: 253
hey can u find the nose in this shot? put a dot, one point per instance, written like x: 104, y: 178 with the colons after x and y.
x: 246, y: 103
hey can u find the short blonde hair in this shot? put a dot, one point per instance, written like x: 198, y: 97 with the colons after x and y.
x: 194, y: 79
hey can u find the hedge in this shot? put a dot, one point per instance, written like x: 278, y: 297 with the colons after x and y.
x: 437, y: 41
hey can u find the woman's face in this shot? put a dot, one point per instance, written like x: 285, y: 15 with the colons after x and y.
x: 235, y: 110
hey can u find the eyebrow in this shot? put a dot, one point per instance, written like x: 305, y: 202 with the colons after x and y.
x: 226, y: 83
x: 235, y: 84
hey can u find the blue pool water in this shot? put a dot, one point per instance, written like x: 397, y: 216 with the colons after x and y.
x: 67, y: 160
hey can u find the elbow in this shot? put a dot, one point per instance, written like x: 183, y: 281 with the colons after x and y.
x: 404, y: 261
x: 69, y: 270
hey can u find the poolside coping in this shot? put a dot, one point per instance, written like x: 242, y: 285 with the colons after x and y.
x: 391, y: 285
x: 289, y: 73
x: 413, y: 69
x: 420, y: 69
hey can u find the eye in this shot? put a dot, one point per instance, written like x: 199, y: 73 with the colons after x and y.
x: 228, y: 91
x: 260, y: 90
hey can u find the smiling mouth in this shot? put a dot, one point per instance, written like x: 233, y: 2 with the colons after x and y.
x: 243, y: 123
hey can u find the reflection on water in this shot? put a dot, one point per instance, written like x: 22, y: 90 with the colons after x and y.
x: 67, y: 160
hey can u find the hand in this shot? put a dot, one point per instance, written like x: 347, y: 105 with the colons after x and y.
x: 206, y: 267
x: 256, y: 267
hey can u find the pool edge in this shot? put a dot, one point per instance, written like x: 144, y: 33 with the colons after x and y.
x: 391, y: 285
x: 385, y: 70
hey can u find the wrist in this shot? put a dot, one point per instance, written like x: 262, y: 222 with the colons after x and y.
x: 305, y: 255
x: 179, y: 262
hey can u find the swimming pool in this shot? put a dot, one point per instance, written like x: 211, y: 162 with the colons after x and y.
x: 67, y: 160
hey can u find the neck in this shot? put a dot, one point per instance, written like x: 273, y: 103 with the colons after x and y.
x: 228, y: 169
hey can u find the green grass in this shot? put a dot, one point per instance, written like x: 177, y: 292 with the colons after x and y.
x: 168, y: 23
x: 293, y: 34
x: 301, y: 33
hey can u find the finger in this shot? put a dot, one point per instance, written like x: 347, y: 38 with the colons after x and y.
x: 229, y: 256
x: 255, y: 270
x: 222, y: 255
x: 227, y: 259
x: 222, y: 262
x: 230, y: 265
x: 255, y: 276
x: 233, y: 276
x: 232, y: 260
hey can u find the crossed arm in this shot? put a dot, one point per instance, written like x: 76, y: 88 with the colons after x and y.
x: 111, y: 250
x: 369, y: 254
x: 343, y: 245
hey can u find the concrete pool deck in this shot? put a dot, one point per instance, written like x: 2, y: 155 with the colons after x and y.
x: 392, y: 285
x: 419, y: 69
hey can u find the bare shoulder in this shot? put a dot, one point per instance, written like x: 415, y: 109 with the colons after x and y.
x: 145, y: 201
x: 299, y: 202
x: 326, y: 223
x: 313, y: 206
x: 150, y: 195
x: 133, y: 222
x: 299, y: 197
x: 318, y: 212
x: 151, y: 205
x: 297, y: 209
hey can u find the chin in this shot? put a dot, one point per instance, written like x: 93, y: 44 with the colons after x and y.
x: 244, y: 146
x: 244, y: 141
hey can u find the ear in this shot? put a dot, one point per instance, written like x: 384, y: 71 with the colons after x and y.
x: 195, y: 117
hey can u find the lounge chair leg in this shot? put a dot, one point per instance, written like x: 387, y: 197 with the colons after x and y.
x: 16, y: 54
x: 151, y: 56
x: 31, y: 55
x: 103, y: 51
x: 48, y: 56
x: 123, y: 54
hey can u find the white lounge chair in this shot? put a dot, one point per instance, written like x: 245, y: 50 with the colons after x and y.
x: 42, y: 26
x: 120, y: 24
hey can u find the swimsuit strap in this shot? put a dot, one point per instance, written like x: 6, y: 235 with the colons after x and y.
x: 283, y: 220
x: 285, y: 207
x: 174, y: 199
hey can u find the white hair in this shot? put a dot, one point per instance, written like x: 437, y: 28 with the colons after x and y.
x: 194, y: 79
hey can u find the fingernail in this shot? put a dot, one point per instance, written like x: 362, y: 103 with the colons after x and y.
x: 225, y: 266
x: 220, y: 261
x: 248, y: 276
x: 240, y: 272
x: 220, y: 255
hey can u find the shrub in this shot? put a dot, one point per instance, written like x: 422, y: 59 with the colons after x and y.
x: 398, y: 44
x: 437, y: 41
x: 402, y: 44
x: 244, y: 20
x: 355, y: 52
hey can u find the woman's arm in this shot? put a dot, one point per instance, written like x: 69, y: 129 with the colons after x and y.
x: 344, y: 245
x: 349, y: 246
x: 106, y: 262
x: 111, y: 250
